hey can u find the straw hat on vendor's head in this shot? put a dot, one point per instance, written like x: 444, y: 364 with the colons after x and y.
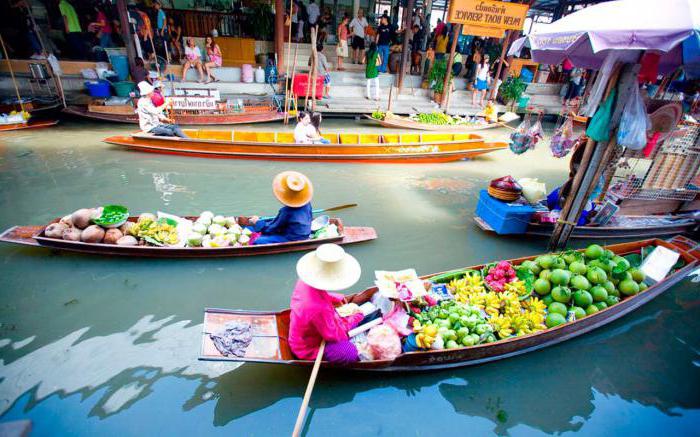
x: 329, y: 268
x: 292, y: 188
x: 145, y: 88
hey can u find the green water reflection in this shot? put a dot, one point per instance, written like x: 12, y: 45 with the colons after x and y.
x: 97, y: 346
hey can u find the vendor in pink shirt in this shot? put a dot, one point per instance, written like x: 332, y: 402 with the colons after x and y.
x: 313, y: 316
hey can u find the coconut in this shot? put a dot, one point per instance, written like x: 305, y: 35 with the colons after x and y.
x: 55, y: 230
x: 126, y: 227
x: 112, y: 236
x: 127, y: 240
x: 81, y: 218
x: 72, y: 234
x: 67, y: 220
x: 147, y: 215
x: 92, y: 234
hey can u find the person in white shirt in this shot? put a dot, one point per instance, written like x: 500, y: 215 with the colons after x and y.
x: 357, y: 30
x: 151, y: 117
x: 303, y: 128
x: 313, y: 12
x: 482, y: 80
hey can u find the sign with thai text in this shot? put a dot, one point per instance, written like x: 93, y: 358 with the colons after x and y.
x: 487, y: 32
x: 194, y: 103
x: 488, y: 13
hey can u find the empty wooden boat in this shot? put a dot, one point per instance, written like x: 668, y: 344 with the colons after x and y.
x: 34, y: 236
x: 343, y: 147
x: 270, y: 329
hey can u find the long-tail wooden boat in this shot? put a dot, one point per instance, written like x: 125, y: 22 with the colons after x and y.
x: 34, y: 236
x: 31, y: 124
x: 270, y: 329
x: 606, y: 232
x: 398, y: 122
x: 126, y: 114
x: 343, y: 147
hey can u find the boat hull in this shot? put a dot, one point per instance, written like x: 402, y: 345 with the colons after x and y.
x: 183, y: 119
x: 402, y: 123
x: 381, y: 152
x: 279, y: 353
x: 38, y: 124
x: 34, y: 236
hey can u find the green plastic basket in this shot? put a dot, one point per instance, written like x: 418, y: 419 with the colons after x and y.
x: 122, y: 89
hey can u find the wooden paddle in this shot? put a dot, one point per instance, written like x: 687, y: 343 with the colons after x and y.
x: 319, y: 211
x: 298, y: 426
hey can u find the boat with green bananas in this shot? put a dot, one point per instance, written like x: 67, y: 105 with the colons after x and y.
x: 434, y: 121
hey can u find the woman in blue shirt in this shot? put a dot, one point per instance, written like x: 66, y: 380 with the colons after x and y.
x: 293, y: 221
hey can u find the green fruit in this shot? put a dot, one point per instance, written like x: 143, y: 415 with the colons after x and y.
x: 594, y: 251
x: 560, y: 277
x: 557, y: 307
x: 548, y: 299
x: 601, y: 305
x: 609, y: 287
x: 532, y: 266
x: 612, y: 300
x: 578, y: 268
x: 583, y: 298
x: 462, y: 332
x: 545, y: 274
x: 637, y: 275
x: 570, y: 257
x: 643, y: 286
x: 591, y: 309
x: 468, y: 340
x: 542, y: 287
x: 554, y: 319
x: 490, y: 338
x: 596, y: 275
x: 607, y: 253
x: 451, y: 344
x: 561, y: 294
x: 620, y: 260
x: 475, y: 337
x: 545, y: 261
x: 558, y: 263
x: 580, y: 282
x: 628, y: 287
x: 579, y: 313
x: 453, y: 317
x: 599, y: 293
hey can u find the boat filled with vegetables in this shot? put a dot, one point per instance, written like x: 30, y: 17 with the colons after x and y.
x: 438, y: 121
x: 110, y: 230
x: 476, y: 314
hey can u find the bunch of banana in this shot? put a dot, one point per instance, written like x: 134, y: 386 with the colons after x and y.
x: 162, y: 233
x: 517, y: 287
x: 466, y: 288
x: 425, y: 334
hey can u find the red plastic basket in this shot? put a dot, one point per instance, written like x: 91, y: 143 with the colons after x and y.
x: 300, y: 85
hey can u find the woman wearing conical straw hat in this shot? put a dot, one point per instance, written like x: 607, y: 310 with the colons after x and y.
x: 313, y: 317
x: 293, y: 221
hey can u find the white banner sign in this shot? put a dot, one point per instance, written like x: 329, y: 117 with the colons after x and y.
x: 194, y: 103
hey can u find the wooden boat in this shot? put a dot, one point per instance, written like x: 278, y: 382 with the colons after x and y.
x: 270, y: 329
x: 37, y: 107
x: 126, y: 114
x: 31, y: 124
x: 605, y: 232
x: 398, y: 122
x: 343, y: 147
x: 34, y: 236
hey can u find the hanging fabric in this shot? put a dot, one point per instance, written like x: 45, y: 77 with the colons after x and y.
x: 599, y: 127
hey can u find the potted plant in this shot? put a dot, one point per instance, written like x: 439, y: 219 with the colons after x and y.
x: 511, y: 90
x: 260, y: 19
x: 436, y: 78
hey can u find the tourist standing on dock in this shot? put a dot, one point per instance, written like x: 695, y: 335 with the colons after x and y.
x: 441, y: 40
x: 74, y: 33
x: 342, y: 50
x: 385, y: 35
x: 314, y: 12
x: 373, y: 60
x: 175, y: 34
x: 323, y: 70
x: 357, y: 30
x: 482, y: 80
x: 313, y: 318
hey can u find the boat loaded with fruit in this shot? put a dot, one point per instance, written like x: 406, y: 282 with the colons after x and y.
x: 439, y: 121
x: 110, y: 230
x: 476, y: 314
x: 515, y: 207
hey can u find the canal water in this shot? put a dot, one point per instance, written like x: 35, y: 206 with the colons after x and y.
x: 100, y: 346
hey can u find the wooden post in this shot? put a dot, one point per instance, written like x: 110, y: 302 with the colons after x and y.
x: 126, y: 32
x: 407, y: 33
x: 448, y: 72
x: 279, y: 35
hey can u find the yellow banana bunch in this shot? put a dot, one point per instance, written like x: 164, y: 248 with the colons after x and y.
x: 425, y: 335
x: 517, y: 287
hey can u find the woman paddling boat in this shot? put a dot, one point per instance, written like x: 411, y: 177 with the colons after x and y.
x: 293, y: 221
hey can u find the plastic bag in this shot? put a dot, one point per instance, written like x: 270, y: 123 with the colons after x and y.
x: 533, y: 190
x: 599, y: 127
x: 384, y: 342
x: 398, y: 320
x: 563, y: 139
x: 632, y: 132
x: 535, y: 132
x: 520, y: 141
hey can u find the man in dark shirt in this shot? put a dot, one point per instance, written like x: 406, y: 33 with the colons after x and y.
x: 385, y: 35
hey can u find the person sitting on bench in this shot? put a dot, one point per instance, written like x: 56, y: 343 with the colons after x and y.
x: 151, y: 117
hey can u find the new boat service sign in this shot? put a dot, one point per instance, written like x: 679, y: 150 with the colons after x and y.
x: 488, y: 13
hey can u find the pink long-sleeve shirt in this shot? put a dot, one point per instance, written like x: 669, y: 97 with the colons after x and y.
x: 314, y: 318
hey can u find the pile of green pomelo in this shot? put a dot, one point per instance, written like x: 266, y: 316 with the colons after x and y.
x: 577, y: 284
